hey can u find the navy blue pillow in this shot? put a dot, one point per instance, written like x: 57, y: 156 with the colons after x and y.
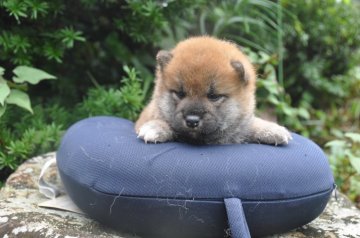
x: 178, y: 190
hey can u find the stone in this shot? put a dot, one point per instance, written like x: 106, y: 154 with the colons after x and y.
x: 20, y: 215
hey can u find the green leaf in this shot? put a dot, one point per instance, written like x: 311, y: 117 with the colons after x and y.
x: 69, y: 36
x: 286, y: 109
x: 15, y: 8
x: 336, y: 143
x: 263, y: 57
x: 37, y: 7
x: 355, y: 161
x: 31, y: 75
x: 2, y: 110
x: 303, y: 113
x: 4, y: 90
x: 355, y: 184
x: 270, y: 72
x: 271, y: 98
x: 2, y: 70
x: 53, y: 53
x: 355, y: 137
x: 20, y: 99
x: 19, y: 43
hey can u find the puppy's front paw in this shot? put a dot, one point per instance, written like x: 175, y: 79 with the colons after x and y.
x: 275, y: 135
x: 267, y: 132
x: 155, y: 131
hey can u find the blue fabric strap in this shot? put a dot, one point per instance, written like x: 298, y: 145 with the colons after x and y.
x: 236, y: 218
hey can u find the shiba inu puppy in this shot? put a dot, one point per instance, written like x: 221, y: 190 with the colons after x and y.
x: 205, y: 94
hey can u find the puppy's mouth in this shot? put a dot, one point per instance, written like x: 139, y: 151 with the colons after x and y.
x: 196, y: 135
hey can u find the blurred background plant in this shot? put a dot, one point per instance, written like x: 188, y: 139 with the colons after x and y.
x: 345, y: 161
x: 307, y: 54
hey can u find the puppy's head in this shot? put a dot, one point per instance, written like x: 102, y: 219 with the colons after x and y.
x: 204, y: 88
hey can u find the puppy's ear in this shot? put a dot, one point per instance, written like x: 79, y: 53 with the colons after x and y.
x: 240, y: 70
x: 163, y: 57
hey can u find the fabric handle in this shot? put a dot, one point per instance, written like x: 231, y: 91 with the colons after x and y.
x: 236, y: 218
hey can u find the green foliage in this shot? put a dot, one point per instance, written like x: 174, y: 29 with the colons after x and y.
x: 12, y: 92
x: 137, y: 24
x: 23, y: 135
x: 322, y: 75
x: 30, y: 31
x: 23, y: 9
x: 32, y: 142
x: 344, y: 155
x: 29, y: 135
x: 322, y: 52
x: 251, y: 23
x: 125, y: 102
x: 322, y: 61
x: 61, y: 38
x: 271, y: 96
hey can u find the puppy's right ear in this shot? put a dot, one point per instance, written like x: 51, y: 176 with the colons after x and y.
x: 240, y: 70
x: 163, y: 57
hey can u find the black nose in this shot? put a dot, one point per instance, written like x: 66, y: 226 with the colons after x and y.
x: 192, y: 121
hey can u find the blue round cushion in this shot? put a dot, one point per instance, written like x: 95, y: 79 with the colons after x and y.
x: 178, y: 190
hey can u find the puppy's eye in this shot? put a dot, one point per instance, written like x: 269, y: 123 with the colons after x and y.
x: 214, y: 97
x: 178, y: 94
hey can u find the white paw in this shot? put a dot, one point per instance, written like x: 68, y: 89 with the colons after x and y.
x: 155, y: 131
x: 275, y: 135
x: 282, y: 136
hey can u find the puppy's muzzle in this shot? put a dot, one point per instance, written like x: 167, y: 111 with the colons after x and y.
x: 192, y: 121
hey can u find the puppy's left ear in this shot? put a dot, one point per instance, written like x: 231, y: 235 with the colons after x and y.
x: 240, y: 70
x: 163, y: 57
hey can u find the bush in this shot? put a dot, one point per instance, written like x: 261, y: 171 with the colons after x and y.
x: 322, y: 75
x: 82, y: 49
x: 254, y: 23
x: 20, y: 40
x: 345, y: 161
x: 322, y: 51
x: 125, y: 102
x: 322, y: 61
x: 24, y: 135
